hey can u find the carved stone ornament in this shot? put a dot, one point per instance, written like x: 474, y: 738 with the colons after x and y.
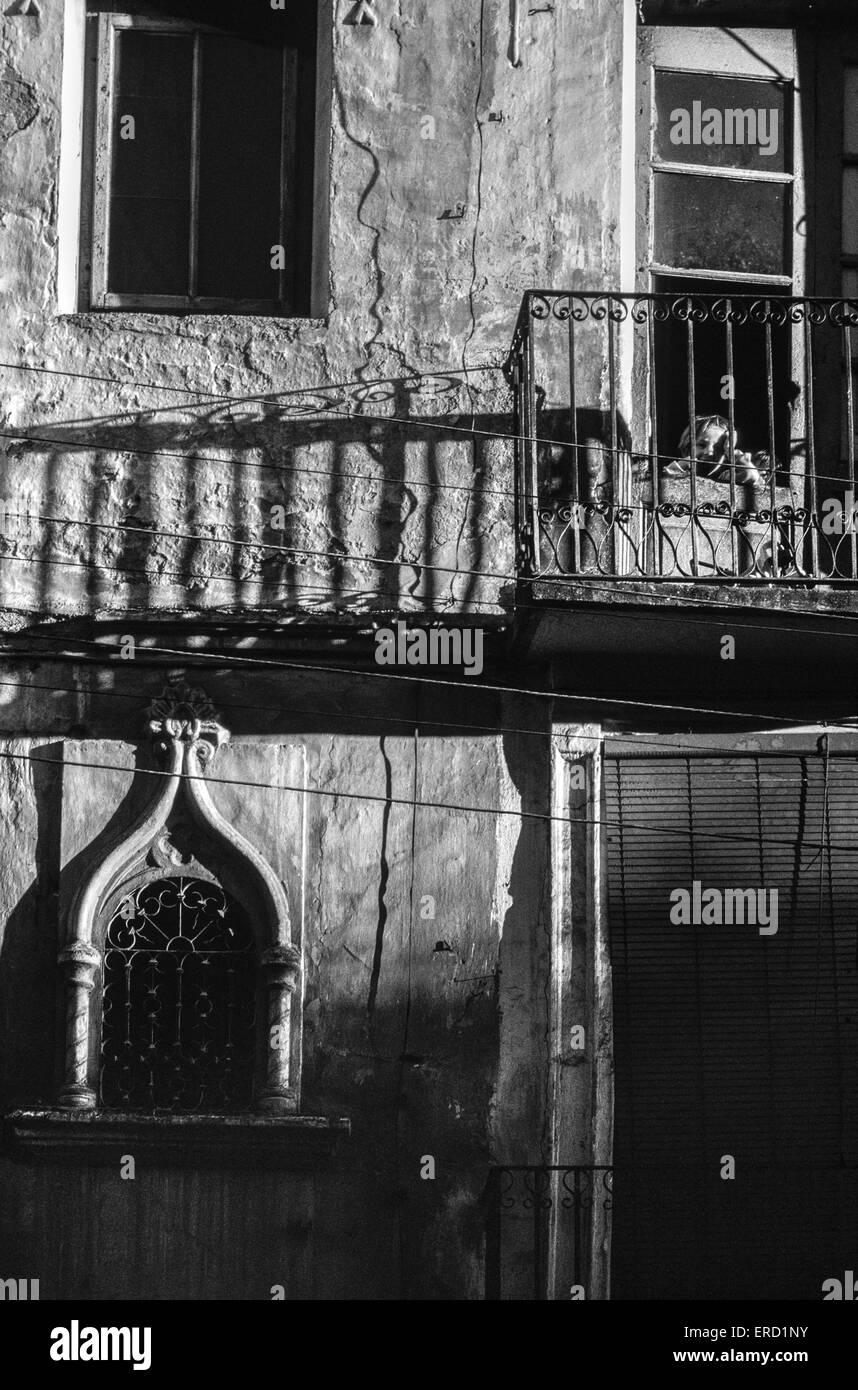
x: 361, y: 13
x: 185, y: 714
x: 186, y: 733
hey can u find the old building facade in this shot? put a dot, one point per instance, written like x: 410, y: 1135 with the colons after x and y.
x: 428, y: 461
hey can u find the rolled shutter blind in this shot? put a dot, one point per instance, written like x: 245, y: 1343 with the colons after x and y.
x: 728, y: 1042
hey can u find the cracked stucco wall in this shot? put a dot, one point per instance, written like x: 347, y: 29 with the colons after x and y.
x: 524, y: 161
x: 440, y: 1052
x: 403, y: 1037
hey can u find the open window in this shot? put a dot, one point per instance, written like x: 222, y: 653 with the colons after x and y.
x: 702, y: 425
x: 721, y: 194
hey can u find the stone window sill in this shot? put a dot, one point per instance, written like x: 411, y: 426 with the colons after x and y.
x: 126, y: 319
x: 245, y: 1141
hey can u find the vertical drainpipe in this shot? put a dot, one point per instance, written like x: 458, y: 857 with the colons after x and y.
x: 515, y: 33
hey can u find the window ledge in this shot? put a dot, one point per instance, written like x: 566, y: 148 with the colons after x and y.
x: 122, y: 319
x: 103, y: 1136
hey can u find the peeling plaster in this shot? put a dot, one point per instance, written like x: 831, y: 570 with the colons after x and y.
x: 19, y: 104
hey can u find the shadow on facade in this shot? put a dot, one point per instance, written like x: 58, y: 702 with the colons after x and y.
x: 353, y: 513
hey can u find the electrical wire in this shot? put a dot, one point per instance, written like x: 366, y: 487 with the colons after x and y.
x: 574, y: 445
x: 419, y: 422
x: 337, y: 555
x: 229, y: 539
x: 429, y: 423
x: 232, y: 662
x: 234, y: 463
x: 339, y: 794
x: 613, y: 586
x: 272, y: 396
x: 660, y: 743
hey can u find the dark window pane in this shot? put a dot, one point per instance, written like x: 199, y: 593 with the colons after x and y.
x: 148, y: 248
x: 178, y: 1016
x: 150, y: 175
x: 704, y: 222
x: 732, y: 122
x: 240, y: 159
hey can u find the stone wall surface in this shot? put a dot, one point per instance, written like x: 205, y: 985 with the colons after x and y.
x: 425, y: 929
x: 160, y: 500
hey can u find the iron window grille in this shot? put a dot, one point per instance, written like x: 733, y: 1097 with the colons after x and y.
x: 178, y: 1001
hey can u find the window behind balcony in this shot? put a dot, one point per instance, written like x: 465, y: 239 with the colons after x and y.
x: 201, y: 142
x: 722, y: 186
x: 722, y: 175
x: 849, y: 221
x: 723, y: 196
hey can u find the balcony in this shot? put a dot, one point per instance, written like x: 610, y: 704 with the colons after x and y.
x: 683, y: 437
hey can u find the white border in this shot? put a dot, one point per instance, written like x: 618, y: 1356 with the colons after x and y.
x: 71, y: 155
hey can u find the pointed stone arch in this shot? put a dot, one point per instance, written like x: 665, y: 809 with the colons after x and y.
x: 186, y: 735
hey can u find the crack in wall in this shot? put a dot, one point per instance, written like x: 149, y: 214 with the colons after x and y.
x: 370, y: 342
x: 325, y: 780
x: 383, y: 876
x: 472, y: 328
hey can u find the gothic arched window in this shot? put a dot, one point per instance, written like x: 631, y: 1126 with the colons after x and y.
x: 178, y: 1014
x: 182, y: 972
x: 195, y: 979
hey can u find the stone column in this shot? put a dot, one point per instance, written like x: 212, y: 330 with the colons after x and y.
x: 80, y: 962
x: 281, y: 969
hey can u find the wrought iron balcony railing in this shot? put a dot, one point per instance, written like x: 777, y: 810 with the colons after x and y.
x: 547, y: 1232
x: 686, y: 437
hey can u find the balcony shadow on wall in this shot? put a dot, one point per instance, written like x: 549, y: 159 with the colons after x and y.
x: 350, y: 512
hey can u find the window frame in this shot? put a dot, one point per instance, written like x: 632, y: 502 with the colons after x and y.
x: 755, y: 54
x: 836, y: 52
x: 746, y: 54
x: 98, y: 147
x: 186, y: 737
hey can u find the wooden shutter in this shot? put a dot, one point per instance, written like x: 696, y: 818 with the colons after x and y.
x: 728, y: 1042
